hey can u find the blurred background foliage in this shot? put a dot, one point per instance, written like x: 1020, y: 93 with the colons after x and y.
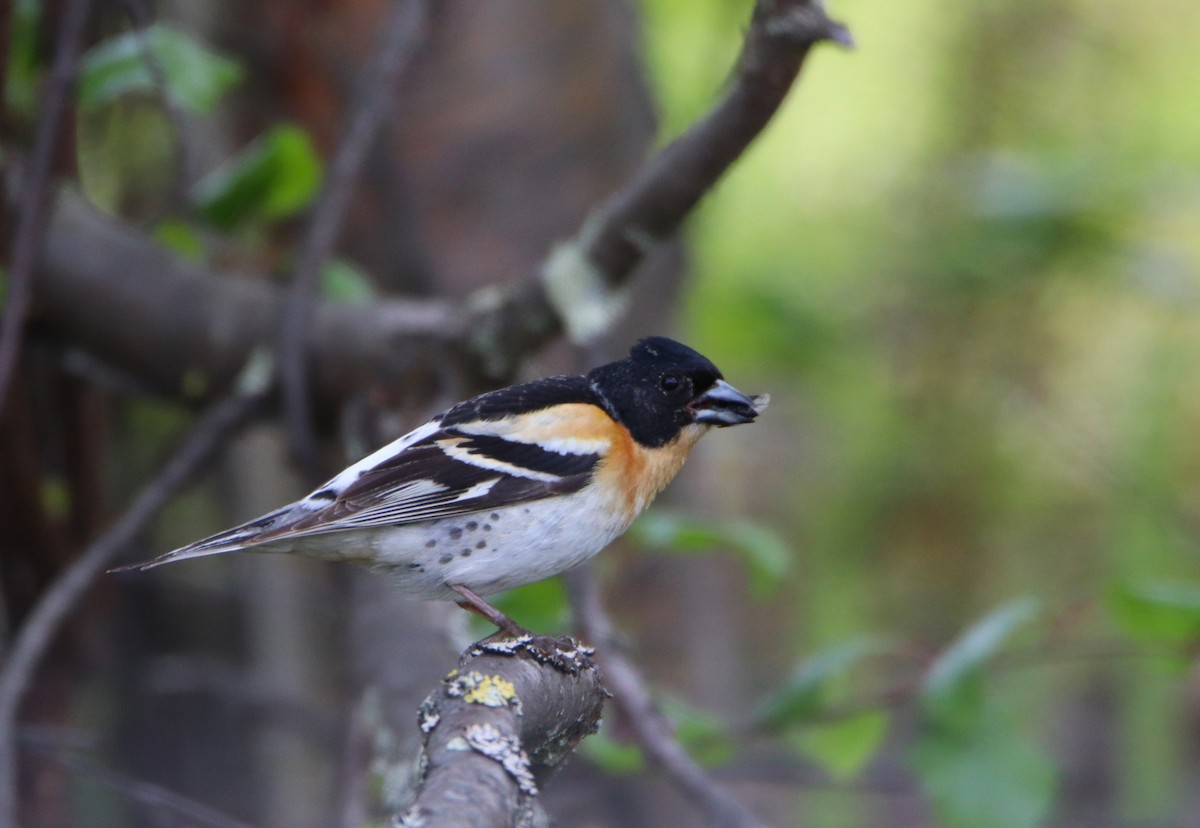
x: 964, y: 260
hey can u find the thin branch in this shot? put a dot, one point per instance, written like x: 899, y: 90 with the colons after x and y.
x: 8, y: 16
x: 35, y: 195
x: 632, y: 698
x: 145, y: 793
x: 664, y: 191
x: 212, y: 430
x: 403, y: 31
x: 580, y: 284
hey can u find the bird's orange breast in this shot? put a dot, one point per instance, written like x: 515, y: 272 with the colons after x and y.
x: 639, y: 473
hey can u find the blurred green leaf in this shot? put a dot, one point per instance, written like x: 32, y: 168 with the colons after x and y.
x: 806, y: 692
x: 20, y: 91
x: 612, y: 756
x: 953, y: 685
x: 343, y: 282
x: 180, y: 237
x: 540, y: 606
x: 195, y: 78
x: 984, y: 776
x: 703, y: 734
x: 1159, y: 610
x: 844, y: 747
x: 274, y: 177
x: 56, y: 497
x: 766, y: 554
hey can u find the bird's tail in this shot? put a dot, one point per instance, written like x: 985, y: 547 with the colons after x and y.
x: 231, y: 540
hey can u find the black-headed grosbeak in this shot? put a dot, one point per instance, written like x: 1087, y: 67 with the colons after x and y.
x: 509, y: 487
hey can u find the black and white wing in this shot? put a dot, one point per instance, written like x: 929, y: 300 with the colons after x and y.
x: 452, y: 465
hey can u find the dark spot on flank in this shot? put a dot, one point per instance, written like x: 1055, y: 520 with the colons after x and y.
x: 429, y: 544
x: 481, y: 545
x: 445, y: 558
x: 466, y: 553
x: 414, y: 565
x: 456, y: 533
x: 324, y: 494
x: 496, y: 515
x: 487, y: 527
x: 472, y: 526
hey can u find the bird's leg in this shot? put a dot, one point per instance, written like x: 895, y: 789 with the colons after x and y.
x: 472, y: 602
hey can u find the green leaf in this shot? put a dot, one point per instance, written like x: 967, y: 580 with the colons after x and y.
x: 612, y: 756
x: 984, y: 776
x: 702, y: 734
x: 344, y: 283
x: 275, y: 176
x: 1158, y: 610
x: 953, y: 685
x: 806, y: 692
x: 20, y: 93
x: 766, y: 554
x: 180, y: 237
x: 845, y: 746
x: 194, y: 77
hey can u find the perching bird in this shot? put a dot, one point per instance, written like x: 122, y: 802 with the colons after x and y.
x: 509, y: 487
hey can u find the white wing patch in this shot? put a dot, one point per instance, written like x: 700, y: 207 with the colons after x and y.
x: 352, y: 473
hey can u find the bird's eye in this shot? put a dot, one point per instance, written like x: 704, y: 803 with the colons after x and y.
x: 670, y: 382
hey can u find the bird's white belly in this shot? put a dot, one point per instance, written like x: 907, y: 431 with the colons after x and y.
x: 487, y: 552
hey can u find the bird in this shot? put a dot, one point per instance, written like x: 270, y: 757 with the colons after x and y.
x: 509, y: 487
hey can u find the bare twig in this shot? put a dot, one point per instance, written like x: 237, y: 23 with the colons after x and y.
x: 8, y: 16
x: 665, y: 190
x: 499, y: 727
x: 35, y: 194
x: 212, y: 430
x: 579, y: 286
x: 403, y: 30
x: 633, y: 699
x: 155, y: 797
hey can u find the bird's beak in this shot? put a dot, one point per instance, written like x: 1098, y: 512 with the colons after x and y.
x: 724, y: 405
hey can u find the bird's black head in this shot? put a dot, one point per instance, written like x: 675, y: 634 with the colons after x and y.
x: 663, y: 386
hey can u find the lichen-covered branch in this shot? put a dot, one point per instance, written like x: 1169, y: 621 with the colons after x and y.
x: 498, y: 728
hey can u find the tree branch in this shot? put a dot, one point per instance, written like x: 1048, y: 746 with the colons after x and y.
x: 181, y: 323
x: 579, y: 284
x: 35, y: 194
x: 36, y: 634
x: 186, y: 330
x: 499, y: 727
x: 403, y: 29
x: 155, y: 798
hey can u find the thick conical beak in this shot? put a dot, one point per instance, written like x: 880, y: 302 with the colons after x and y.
x: 724, y: 405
